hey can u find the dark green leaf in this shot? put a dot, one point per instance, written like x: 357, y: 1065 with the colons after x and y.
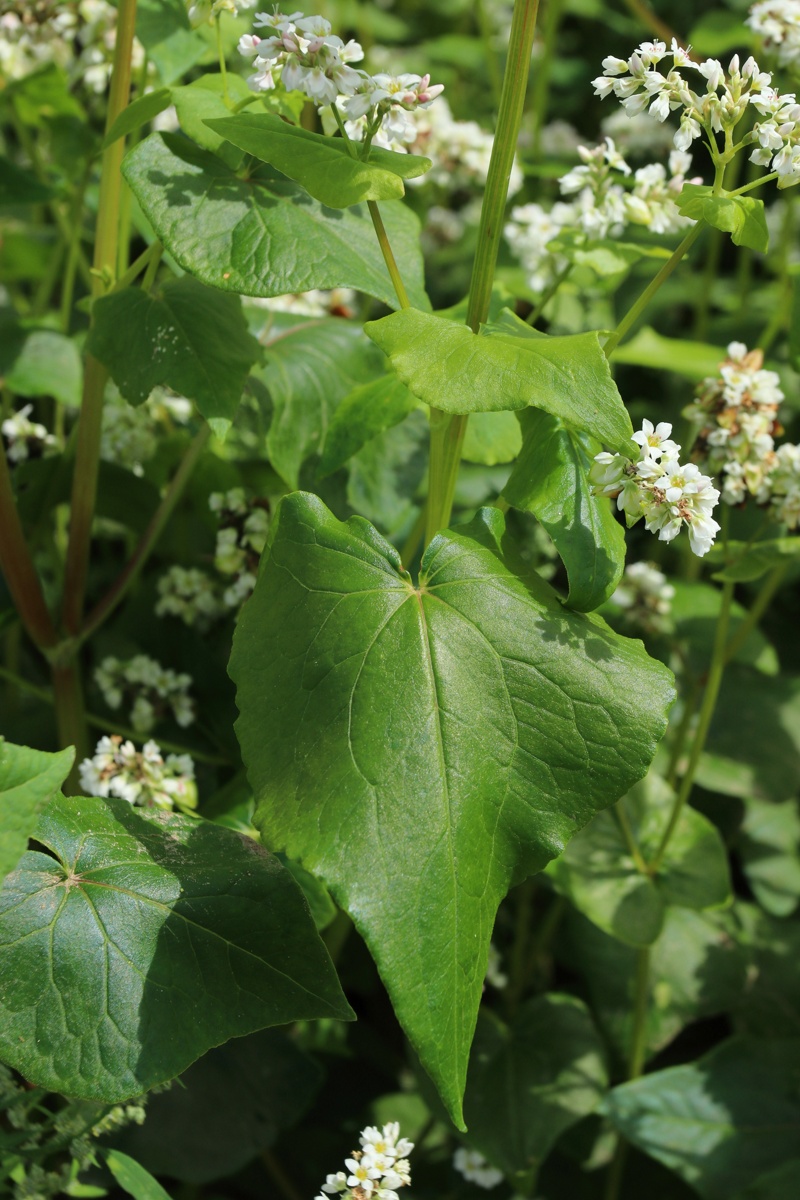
x: 308, y: 372
x: 322, y: 165
x: 28, y: 779
x: 551, y: 480
x: 133, y: 1178
x: 740, y: 216
x: 769, y: 1004
x: 769, y: 845
x: 601, y: 878
x: 491, y: 438
x: 720, y: 1122
x: 781, y: 1184
x: 18, y: 186
x: 367, y: 411
x: 261, y: 236
x: 447, y: 366
x: 695, y: 360
x: 509, y: 722
x: 192, y: 338
x: 747, y: 562
x: 145, y: 940
x: 530, y: 1081
x: 140, y: 111
x: 228, y: 1108
x: 162, y: 26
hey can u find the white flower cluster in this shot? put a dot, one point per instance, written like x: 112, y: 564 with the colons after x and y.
x: 153, y: 689
x: 244, y: 525
x: 338, y: 302
x: 659, y: 488
x: 25, y: 438
x: 142, y: 777
x: 375, y: 1172
x: 475, y: 1169
x: 191, y: 595
x: 602, y: 206
x: 638, y: 134
x: 306, y: 57
x: 737, y: 415
x: 638, y: 84
x: 646, y: 597
x: 778, y: 23
x: 130, y: 436
x: 78, y: 38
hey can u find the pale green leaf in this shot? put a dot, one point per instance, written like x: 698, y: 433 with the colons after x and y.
x: 450, y: 368
x: 133, y: 1178
x: 508, y: 724
x: 492, y: 438
x: 695, y: 360
x: 740, y: 216
x: 140, y: 111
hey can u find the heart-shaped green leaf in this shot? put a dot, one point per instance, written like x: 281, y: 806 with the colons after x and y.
x: 530, y: 1081
x: 551, y: 480
x: 190, y: 337
x: 449, y: 367
x: 599, y: 874
x: 261, y: 236
x: 28, y: 779
x: 421, y: 748
x: 324, y: 166
x: 146, y: 939
x: 740, y: 216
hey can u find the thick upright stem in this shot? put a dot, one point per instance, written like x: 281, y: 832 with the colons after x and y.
x: 87, y: 458
x: 447, y: 432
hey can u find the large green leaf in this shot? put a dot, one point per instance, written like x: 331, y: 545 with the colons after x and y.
x: 324, y: 166
x: 601, y: 878
x: 769, y: 846
x: 506, y: 724
x: 530, y: 1081
x: 720, y: 1122
x: 261, y: 236
x: 367, y: 411
x: 449, y: 367
x: 740, y: 216
x: 190, y: 337
x: 551, y: 480
x: 28, y: 779
x: 146, y: 939
x: 228, y: 1108
x: 308, y: 371
x: 697, y: 970
x: 204, y: 98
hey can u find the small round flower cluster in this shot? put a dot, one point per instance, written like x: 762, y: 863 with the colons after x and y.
x: 646, y: 598
x: 25, y: 438
x: 302, y: 53
x: 154, y: 690
x: 659, y: 488
x: 375, y: 1172
x: 130, y: 436
x: 475, y: 1168
x: 192, y: 596
x: 737, y: 415
x: 638, y: 83
x: 142, y: 777
x: 778, y: 23
x: 602, y: 206
x: 244, y: 525
x: 79, y: 38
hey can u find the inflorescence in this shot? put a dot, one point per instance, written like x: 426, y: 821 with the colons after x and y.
x: 377, y: 1170
x: 142, y: 777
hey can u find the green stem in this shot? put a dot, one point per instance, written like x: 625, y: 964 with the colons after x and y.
x: 544, y: 66
x: 639, y: 305
x: 87, y: 458
x: 18, y: 568
x: 762, y: 601
x: 414, y: 538
x: 131, y: 571
x: 718, y: 659
x: 388, y: 256
x: 152, y: 266
x: 749, y: 187
x: 71, y: 717
x: 623, y: 819
x: 223, y: 69
x: 535, y: 313
x: 636, y: 1058
x: 73, y: 252
x: 138, y: 265
x: 652, y: 21
x: 447, y: 432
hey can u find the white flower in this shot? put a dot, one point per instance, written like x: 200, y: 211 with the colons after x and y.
x: 25, y: 438
x: 139, y: 777
x: 375, y: 1170
x: 646, y: 597
x: 475, y: 1169
x: 151, y: 688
